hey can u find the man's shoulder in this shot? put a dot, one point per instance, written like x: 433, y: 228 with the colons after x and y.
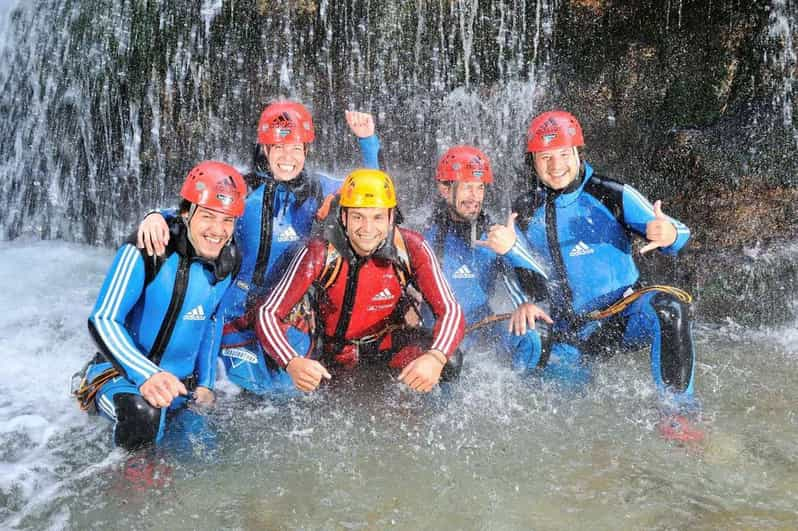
x: 411, y: 236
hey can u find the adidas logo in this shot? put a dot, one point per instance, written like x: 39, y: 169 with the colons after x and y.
x: 464, y: 272
x: 384, y: 295
x: 197, y: 314
x: 288, y: 235
x: 581, y: 249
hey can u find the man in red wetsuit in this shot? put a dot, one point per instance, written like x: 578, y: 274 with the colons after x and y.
x: 359, y: 273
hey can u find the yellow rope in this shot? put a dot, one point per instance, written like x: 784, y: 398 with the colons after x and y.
x: 620, y: 305
x: 88, y: 390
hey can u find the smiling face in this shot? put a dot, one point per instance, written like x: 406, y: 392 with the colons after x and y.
x: 557, y: 168
x: 464, y: 198
x: 366, y: 228
x: 285, y: 160
x: 209, y: 231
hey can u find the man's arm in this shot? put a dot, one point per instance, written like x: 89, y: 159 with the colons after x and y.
x: 268, y: 315
x: 449, y: 320
x: 120, y: 292
x: 208, y: 352
x: 641, y: 216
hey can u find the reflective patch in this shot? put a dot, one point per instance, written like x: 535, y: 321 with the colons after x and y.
x: 240, y: 354
x: 243, y: 285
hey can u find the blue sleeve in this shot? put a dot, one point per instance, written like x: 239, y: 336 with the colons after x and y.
x: 370, y: 149
x: 638, y: 211
x: 517, y: 295
x: 120, y: 292
x: 521, y: 256
x: 168, y: 213
x: 209, y: 351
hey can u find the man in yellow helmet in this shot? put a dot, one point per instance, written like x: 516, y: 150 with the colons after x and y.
x: 360, y: 270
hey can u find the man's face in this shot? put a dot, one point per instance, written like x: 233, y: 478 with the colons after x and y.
x: 464, y: 198
x: 210, y: 231
x: 285, y: 160
x: 557, y: 168
x: 366, y: 228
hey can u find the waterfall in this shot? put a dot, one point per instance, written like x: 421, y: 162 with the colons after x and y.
x: 783, y: 25
x: 106, y: 104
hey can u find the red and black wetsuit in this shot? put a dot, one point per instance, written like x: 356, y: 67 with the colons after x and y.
x: 362, y: 300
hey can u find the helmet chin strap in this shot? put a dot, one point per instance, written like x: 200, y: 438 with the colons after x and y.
x: 186, y: 221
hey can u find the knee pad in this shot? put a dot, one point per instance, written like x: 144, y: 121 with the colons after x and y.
x: 137, y: 422
x: 451, y: 371
x: 676, y: 341
x: 528, y: 352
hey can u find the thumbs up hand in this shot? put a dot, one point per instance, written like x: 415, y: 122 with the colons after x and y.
x: 660, y: 232
x: 501, y: 238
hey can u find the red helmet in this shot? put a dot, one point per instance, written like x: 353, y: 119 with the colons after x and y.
x: 285, y: 122
x: 464, y: 164
x: 554, y: 130
x: 215, y: 186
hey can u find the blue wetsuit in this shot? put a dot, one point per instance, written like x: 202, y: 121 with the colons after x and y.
x: 583, y: 234
x: 473, y: 273
x: 152, y: 316
x: 277, y: 220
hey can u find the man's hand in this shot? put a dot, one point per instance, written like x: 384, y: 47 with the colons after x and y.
x: 525, y: 316
x: 306, y: 374
x: 423, y: 373
x: 153, y: 234
x: 161, y: 388
x: 204, y: 397
x: 660, y: 232
x: 361, y: 123
x: 501, y: 238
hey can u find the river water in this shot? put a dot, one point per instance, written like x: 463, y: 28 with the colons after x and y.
x: 496, y: 451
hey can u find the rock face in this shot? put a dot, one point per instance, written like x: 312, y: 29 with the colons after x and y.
x: 106, y: 105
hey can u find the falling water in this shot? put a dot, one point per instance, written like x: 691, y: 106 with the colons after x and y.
x: 106, y: 104
x: 783, y: 25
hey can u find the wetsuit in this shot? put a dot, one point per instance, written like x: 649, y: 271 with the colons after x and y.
x: 359, y: 304
x: 473, y: 273
x: 157, y: 315
x: 583, y: 234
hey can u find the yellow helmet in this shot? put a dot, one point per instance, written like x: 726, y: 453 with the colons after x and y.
x: 365, y: 188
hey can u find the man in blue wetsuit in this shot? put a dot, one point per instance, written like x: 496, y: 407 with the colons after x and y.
x: 283, y: 202
x: 581, y: 225
x: 155, y: 321
x: 470, y: 248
